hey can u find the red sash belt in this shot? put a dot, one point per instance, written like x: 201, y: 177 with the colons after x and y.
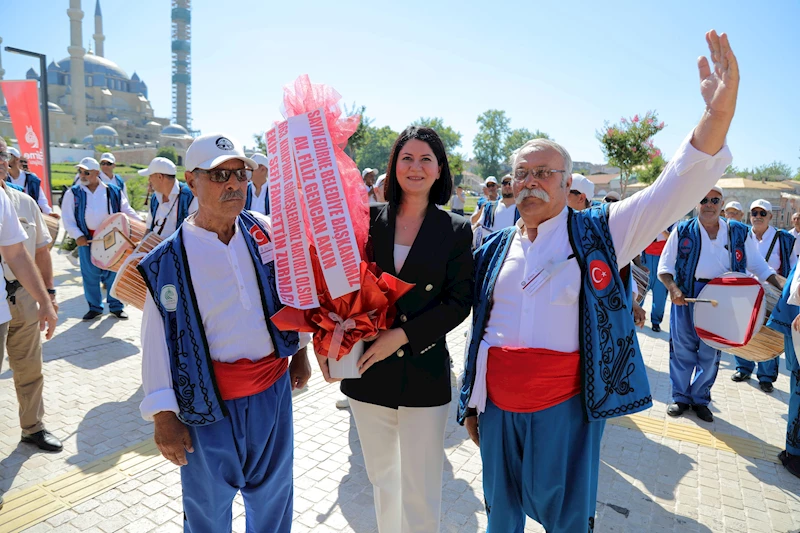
x: 246, y: 377
x: 526, y: 380
x: 655, y: 248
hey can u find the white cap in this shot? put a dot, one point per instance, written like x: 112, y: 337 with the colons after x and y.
x: 159, y: 165
x: 733, y: 204
x: 490, y: 179
x: 763, y: 204
x: 88, y: 163
x: 108, y: 156
x: 13, y: 152
x: 211, y: 150
x: 582, y: 184
x: 260, y: 159
x: 367, y: 171
x: 380, y: 180
x: 613, y: 194
x: 718, y: 189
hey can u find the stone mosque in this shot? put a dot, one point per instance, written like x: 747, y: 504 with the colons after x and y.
x: 92, y: 100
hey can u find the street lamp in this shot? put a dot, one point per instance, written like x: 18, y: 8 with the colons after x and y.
x: 45, y: 115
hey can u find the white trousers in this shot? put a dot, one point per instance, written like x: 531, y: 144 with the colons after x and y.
x: 404, y: 455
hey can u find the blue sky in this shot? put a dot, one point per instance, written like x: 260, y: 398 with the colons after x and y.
x: 562, y: 67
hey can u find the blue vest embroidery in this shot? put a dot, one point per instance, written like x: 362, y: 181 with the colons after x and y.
x: 185, y: 197
x: 786, y: 244
x: 613, y: 372
x: 33, y: 185
x: 193, y: 380
x: 781, y: 321
x: 689, y: 244
x: 113, y: 198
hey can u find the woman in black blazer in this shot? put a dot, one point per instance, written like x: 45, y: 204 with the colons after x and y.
x: 401, y: 402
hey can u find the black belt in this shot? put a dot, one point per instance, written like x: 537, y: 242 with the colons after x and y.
x: 702, y: 280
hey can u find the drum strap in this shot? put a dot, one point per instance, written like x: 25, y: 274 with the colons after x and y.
x: 166, y: 217
x: 772, y: 246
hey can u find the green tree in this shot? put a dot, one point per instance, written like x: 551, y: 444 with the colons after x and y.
x: 357, y: 140
x: 629, y: 144
x: 261, y: 146
x: 450, y: 137
x: 518, y: 137
x: 488, y: 145
x: 649, y: 172
x: 376, y: 147
x: 169, y: 152
x: 775, y: 171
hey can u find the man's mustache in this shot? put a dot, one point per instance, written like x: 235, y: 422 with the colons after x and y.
x: 535, y: 193
x: 232, y: 195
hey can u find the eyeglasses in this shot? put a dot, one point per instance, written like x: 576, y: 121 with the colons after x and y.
x: 521, y: 174
x: 105, y: 164
x: 714, y: 201
x: 4, y: 156
x: 758, y: 213
x: 576, y: 193
x: 222, y: 176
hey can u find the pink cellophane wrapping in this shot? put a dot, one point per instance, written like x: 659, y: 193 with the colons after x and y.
x: 303, y: 97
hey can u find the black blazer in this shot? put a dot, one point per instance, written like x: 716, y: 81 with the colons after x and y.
x: 440, y: 264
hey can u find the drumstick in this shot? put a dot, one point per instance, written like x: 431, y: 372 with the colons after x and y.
x: 713, y: 303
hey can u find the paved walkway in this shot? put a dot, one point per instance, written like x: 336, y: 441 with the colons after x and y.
x: 658, y: 474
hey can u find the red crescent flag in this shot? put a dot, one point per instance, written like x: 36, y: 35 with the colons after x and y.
x: 22, y: 99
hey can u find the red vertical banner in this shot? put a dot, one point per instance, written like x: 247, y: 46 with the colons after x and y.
x: 22, y: 99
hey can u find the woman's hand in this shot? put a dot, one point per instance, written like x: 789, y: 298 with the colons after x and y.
x: 386, y: 344
x: 323, y: 367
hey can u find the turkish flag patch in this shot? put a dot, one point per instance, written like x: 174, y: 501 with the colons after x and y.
x: 600, y: 274
x: 739, y: 254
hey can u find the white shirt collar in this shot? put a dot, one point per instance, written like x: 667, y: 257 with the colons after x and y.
x: 548, y: 226
x: 209, y: 236
x: 768, y: 233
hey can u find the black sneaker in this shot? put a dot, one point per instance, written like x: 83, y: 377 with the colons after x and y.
x: 44, y: 440
x: 766, y: 386
x: 656, y: 328
x: 703, y: 413
x: 791, y: 462
x: 677, y: 408
x: 740, y: 376
x: 122, y: 315
x: 91, y: 315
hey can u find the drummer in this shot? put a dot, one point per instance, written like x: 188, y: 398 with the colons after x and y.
x: 85, y: 206
x: 172, y: 201
x: 733, y: 211
x: 779, y: 248
x: 258, y: 188
x: 697, y: 251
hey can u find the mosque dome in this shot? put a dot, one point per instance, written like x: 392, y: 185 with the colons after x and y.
x: 153, y: 124
x: 93, y: 64
x: 174, y: 129
x: 106, y: 131
x: 54, y: 108
x: 89, y: 139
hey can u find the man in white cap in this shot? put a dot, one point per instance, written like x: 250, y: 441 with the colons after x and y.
x: 85, y: 207
x: 108, y: 164
x: 380, y: 190
x: 733, y: 211
x: 612, y: 196
x: 215, y: 370
x: 697, y: 251
x: 172, y: 201
x: 795, y: 229
x: 29, y: 181
x: 26, y: 307
x: 489, y: 195
x: 258, y: 189
x: 368, y: 175
x: 499, y: 214
x: 458, y: 202
x: 581, y: 193
x: 780, y: 250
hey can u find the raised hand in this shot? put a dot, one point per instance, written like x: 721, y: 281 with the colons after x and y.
x: 720, y: 85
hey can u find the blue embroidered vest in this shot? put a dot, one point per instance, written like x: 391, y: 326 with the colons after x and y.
x: 689, y: 244
x: 613, y: 373
x: 248, y: 202
x: 185, y: 197
x: 167, y: 274
x: 32, y: 185
x: 786, y: 243
x: 113, y: 197
x: 781, y: 321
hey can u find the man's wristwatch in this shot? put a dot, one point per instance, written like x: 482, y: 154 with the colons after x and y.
x: 52, y: 292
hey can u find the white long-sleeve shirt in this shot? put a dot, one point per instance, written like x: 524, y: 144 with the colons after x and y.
x: 11, y: 232
x: 22, y: 181
x: 715, y: 258
x: 549, y: 318
x: 97, y: 209
x: 230, y: 306
x: 167, y: 213
x: 775, y: 257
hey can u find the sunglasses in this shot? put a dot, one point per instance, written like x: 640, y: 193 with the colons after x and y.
x: 758, y: 213
x: 222, y: 176
x: 576, y: 193
x: 714, y: 201
x: 491, y: 185
x: 506, y: 183
x: 85, y: 173
x: 106, y: 164
x: 610, y: 200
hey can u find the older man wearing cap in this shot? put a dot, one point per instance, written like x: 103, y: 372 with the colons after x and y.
x: 258, y: 189
x: 85, y: 207
x: 489, y: 195
x: 581, y: 193
x: 697, y: 251
x: 28, y: 181
x: 733, y: 211
x: 794, y: 231
x: 207, y: 327
x: 380, y: 190
x: 108, y: 164
x: 458, y: 201
x: 554, y: 352
x: 780, y: 249
x: 368, y: 175
x: 172, y: 201
x: 612, y: 196
x: 499, y: 214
